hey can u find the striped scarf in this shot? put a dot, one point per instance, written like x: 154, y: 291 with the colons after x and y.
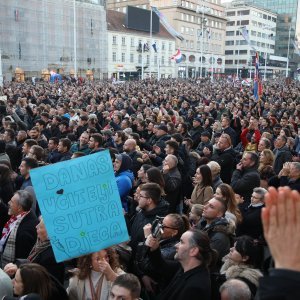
x: 8, y: 227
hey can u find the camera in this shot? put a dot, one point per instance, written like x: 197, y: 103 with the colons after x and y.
x: 157, y: 227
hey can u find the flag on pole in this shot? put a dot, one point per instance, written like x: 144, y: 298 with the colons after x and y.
x: 177, y: 56
x: 258, y: 88
x: 154, y: 46
x: 208, y: 33
x: 167, y: 25
x: 296, y: 46
x: 245, y: 34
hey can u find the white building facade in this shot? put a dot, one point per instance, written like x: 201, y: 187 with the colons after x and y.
x: 260, y: 26
x: 130, y: 51
x: 203, y: 47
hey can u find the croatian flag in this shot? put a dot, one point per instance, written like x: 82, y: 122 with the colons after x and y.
x: 177, y: 57
x: 258, y: 89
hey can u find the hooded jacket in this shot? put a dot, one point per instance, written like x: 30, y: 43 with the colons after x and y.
x: 124, y: 178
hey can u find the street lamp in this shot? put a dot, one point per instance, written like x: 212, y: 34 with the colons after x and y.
x: 288, y: 54
x: 1, y: 76
x: 202, y: 10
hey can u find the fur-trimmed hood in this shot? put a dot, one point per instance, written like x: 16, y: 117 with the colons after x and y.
x: 233, y: 270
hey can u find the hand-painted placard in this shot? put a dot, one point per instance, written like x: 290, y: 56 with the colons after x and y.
x: 80, y: 205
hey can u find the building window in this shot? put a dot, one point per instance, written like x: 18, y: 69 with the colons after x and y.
x: 155, y: 59
x: 229, y: 33
x: 245, y: 22
x: 132, y: 42
x: 123, y: 41
x: 243, y: 12
x: 228, y: 62
x: 163, y: 46
x: 114, y: 56
x: 170, y: 46
x: 140, y: 58
x: 131, y: 58
x: 228, y: 52
x: 163, y: 60
x: 230, y: 13
x: 231, y: 23
x: 114, y: 40
x: 123, y: 57
x: 229, y: 43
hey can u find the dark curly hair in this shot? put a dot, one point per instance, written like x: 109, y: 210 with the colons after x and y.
x: 84, y: 263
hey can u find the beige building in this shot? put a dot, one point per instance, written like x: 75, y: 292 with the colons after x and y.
x: 130, y: 51
x: 203, y: 26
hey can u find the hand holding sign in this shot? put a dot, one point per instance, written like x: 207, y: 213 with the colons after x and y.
x: 80, y: 204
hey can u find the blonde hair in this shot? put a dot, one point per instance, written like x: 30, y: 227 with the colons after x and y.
x: 269, y: 159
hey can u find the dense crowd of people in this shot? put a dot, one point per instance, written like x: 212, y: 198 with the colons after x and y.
x: 202, y: 168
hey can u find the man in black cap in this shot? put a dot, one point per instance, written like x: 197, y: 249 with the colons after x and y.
x: 205, y: 142
x: 196, y: 131
x: 162, y: 135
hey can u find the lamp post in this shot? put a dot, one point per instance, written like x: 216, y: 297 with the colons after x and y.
x: 1, y: 76
x: 203, y: 20
x: 265, y: 75
x: 288, y: 54
x: 151, y: 42
x: 75, y: 44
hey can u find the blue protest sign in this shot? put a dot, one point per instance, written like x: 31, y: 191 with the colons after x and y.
x: 80, y: 205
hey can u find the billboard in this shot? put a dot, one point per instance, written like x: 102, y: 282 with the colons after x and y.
x: 139, y: 19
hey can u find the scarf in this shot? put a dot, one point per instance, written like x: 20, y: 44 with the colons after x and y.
x: 8, y: 227
x: 9, y: 246
x: 38, y: 248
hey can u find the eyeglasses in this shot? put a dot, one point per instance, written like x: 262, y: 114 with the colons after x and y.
x: 164, y: 226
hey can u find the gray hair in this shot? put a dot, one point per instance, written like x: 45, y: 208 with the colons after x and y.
x: 260, y: 191
x: 296, y: 165
x: 236, y: 290
x: 174, y: 159
x: 25, y: 200
x: 214, y: 167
